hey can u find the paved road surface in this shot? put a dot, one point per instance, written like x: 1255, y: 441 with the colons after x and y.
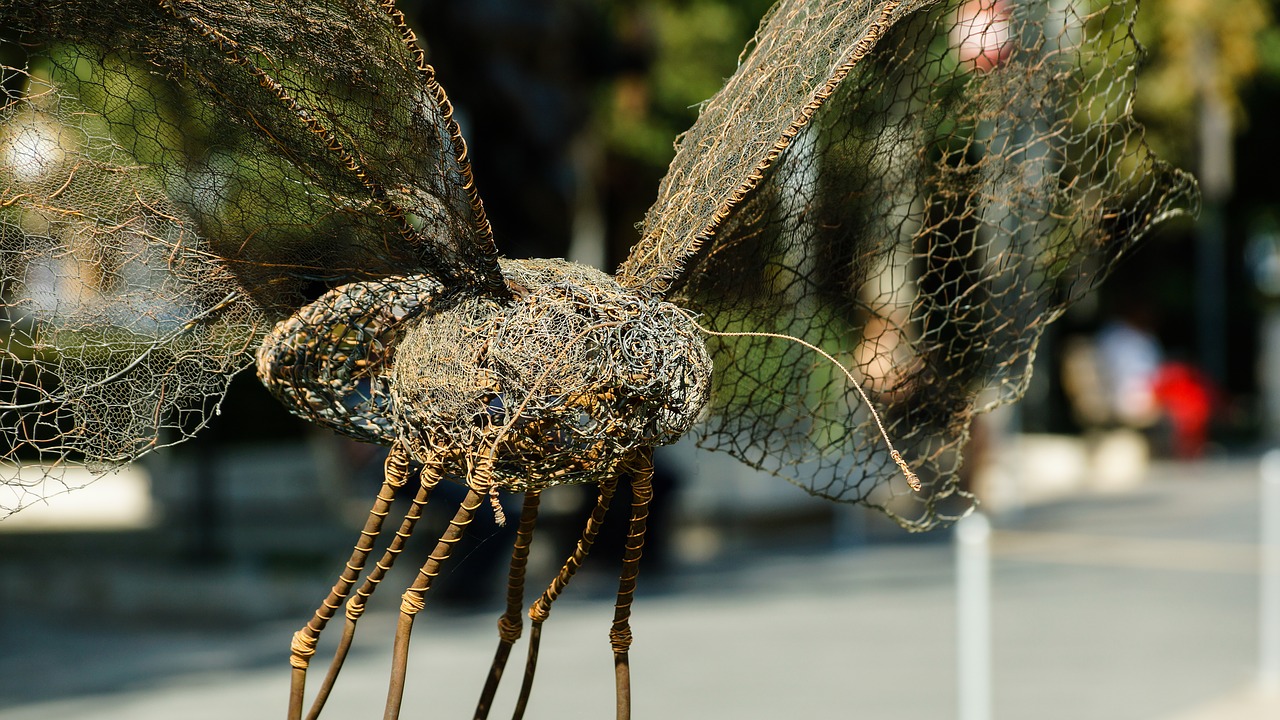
x: 1118, y: 607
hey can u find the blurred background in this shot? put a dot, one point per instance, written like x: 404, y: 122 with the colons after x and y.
x: 1123, y: 488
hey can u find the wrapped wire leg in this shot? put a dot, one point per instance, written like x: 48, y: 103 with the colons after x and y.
x: 620, y: 634
x: 511, y: 624
x: 541, y: 607
x: 412, y: 601
x: 395, y: 475
x: 356, y: 604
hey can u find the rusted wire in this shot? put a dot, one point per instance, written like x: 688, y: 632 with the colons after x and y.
x: 511, y: 624
x: 413, y: 599
x: 640, y: 468
x: 395, y: 475
x: 429, y: 477
x: 541, y: 608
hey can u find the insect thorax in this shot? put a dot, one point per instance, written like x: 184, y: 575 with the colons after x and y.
x: 560, y: 386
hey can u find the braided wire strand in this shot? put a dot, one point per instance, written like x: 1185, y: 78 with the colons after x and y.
x: 429, y: 478
x: 395, y: 475
x: 641, y: 471
x: 541, y: 607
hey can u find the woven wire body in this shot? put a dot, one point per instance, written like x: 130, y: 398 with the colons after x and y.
x: 560, y: 386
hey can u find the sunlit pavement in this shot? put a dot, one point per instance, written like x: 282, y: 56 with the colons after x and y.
x: 1246, y: 704
x: 1125, y: 606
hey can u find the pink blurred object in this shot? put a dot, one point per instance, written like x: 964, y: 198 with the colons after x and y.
x: 983, y: 33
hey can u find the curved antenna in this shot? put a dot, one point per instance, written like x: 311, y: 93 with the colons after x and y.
x: 912, y: 479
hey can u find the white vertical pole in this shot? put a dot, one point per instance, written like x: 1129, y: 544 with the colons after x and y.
x: 1269, y: 581
x: 973, y: 616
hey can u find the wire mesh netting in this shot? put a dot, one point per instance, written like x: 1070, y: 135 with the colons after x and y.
x: 973, y: 170
x: 916, y: 187
x: 175, y: 178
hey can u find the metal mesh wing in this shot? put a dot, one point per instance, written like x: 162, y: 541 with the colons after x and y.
x: 918, y: 188
x: 175, y: 177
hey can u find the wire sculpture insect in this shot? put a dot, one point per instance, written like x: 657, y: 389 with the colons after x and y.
x: 911, y: 189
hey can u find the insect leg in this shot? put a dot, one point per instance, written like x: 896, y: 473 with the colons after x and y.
x: 620, y: 633
x: 356, y: 604
x: 511, y: 624
x: 395, y: 475
x: 542, y: 606
x: 411, y: 602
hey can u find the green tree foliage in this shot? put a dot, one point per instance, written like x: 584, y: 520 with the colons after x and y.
x: 694, y: 45
x: 1198, y: 46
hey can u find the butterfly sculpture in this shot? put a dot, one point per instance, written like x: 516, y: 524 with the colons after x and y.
x: 910, y: 189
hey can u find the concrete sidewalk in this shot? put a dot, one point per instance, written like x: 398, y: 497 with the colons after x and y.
x: 1121, y: 607
x: 1246, y: 704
